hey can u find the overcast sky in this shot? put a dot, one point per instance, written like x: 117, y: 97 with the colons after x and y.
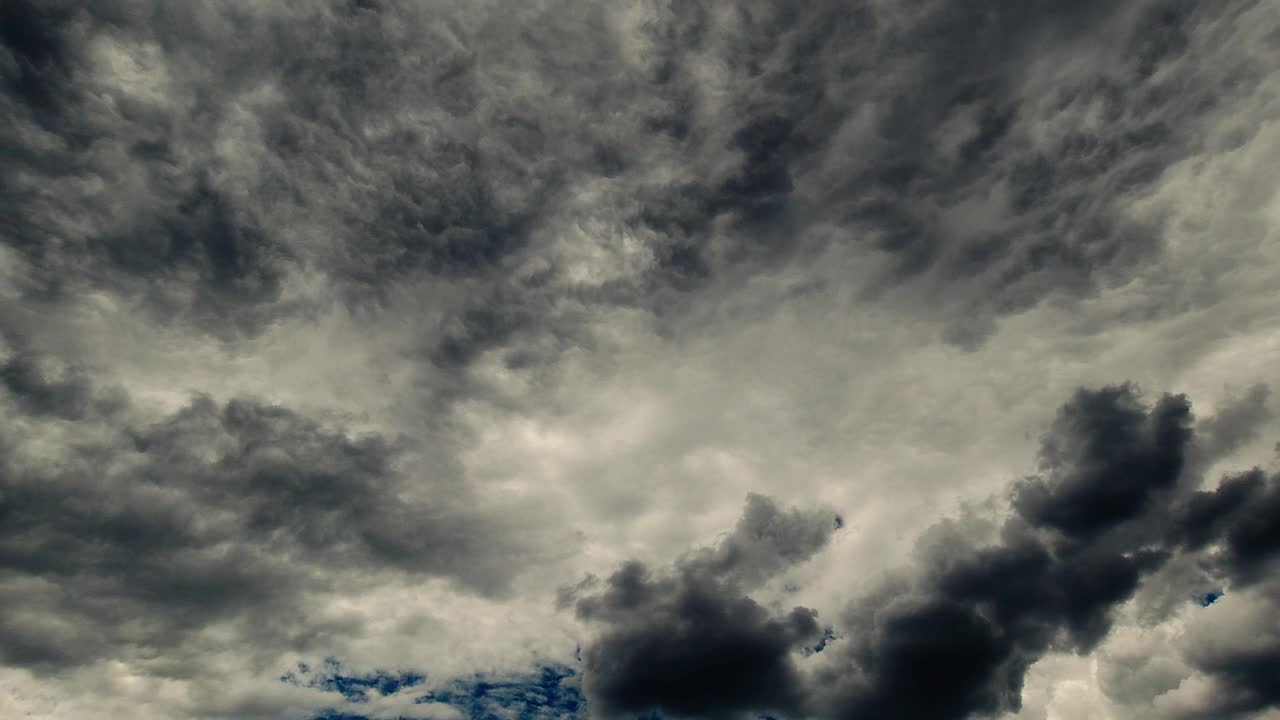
x: 540, y: 359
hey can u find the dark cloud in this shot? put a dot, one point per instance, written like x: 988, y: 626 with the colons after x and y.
x: 144, y: 532
x: 412, y: 145
x: 186, y: 197
x: 484, y: 186
x: 1239, y: 519
x: 937, y: 134
x: 1105, y: 459
x: 956, y: 640
x: 961, y: 644
x: 689, y: 642
x: 38, y: 52
x: 201, y: 261
x: 104, y: 191
x: 765, y: 542
x: 1085, y: 536
x: 69, y: 396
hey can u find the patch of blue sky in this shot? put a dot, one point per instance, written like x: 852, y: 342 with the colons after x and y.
x: 828, y: 634
x: 551, y: 693
x: 355, y: 688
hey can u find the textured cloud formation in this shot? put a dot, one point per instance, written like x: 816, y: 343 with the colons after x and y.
x: 203, y: 163
x: 994, y: 610
x: 341, y: 340
x: 146, y: 535
x: 692, y: 643
x: 956, y: 639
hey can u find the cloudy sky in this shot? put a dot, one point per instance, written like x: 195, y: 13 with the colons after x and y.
x: 557, y: 359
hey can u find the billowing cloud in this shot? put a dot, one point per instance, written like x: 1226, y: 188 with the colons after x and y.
x: 690, y: 642
x: 954, y: 638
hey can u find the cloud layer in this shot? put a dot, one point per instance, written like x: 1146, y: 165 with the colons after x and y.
x: 438, y: 344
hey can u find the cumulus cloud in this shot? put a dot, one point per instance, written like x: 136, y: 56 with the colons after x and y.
x: 956, y: 637
x: 690, y: 642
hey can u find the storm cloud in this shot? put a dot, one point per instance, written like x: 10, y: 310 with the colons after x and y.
x: 413, y: 358
x: 954, y: 637
x: 690, y: 642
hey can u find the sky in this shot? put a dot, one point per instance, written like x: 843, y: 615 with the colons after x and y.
x: 858, y: 359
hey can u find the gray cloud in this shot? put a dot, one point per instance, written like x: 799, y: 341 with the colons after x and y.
x: 352, y: 310
x: 1241, y: 662
x: 959, y: 642
x: 1239, y: 518
x: 937, y: 134
x: 145, y: 531
x: 689, y: 642
x: 1105, y: 461
x: 419, y: 144
x: 1085, y: 535
x: 958, y: 638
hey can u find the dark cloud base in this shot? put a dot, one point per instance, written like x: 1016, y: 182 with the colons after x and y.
x: 691, y: 643
x: 1110, y: 506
